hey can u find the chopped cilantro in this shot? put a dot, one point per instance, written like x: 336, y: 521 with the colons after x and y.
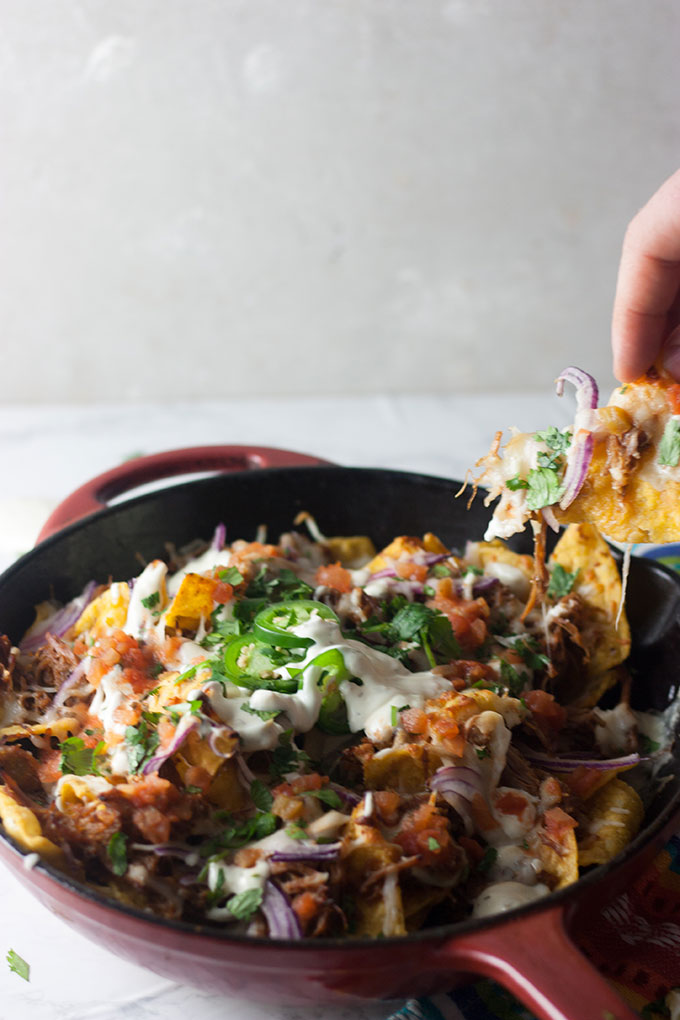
x: 482, y: 752
x: 261, y: 713
x: 669, y: 447
x: 287, y: 756
x: 151, y: 600
x: 261, y: 797
x: 432, y: 843
x: 231, y: 576
x: 561, y: 581
x: 142, y: 741
x: 477, y: 571
x: 18, y: 965
x: 544, y: 487
x: 326, y: 796
x: 528, y: 649
x: 296, y: 832
x: 488, y: 860
x: 647, y: 745
x: 117, y: 851
x: 512, y: 679
x: 441, y: 570
x: 238, y: 834
x: 286, y: 585
x: 554, y: 439
x: 193, y: 789
x: 221, y: 630
x: 78, y: 760
x: 516, y: 483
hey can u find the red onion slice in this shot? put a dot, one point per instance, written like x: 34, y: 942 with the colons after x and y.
x: 323, y: 852
x: 61, y: 621
x: 279, y: 915
x: 219, y: 735
x: 549, y: 518
x: 459, y: 780
x: 581, y: 449
x: 558, y: 764
x: 219, y: 538
x: 187, y: 723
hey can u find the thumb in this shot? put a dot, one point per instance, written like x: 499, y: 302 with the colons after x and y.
x: 671, y: 354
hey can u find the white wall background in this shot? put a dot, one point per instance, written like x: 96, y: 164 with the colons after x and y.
x: 219, y: 197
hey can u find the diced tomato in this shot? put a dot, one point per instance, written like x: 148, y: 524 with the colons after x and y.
x: 467, y: 618
x: 199, y: 777
x: 557, y: 823
x: 334, y: 575
x: 305, y: 906
x: 410, y: 571
x: 545, y: 709
x: 48, y: 769
x: 511, y: 803
x: 127, y: 715
x: 414, y: 720
x: 582, y: 781
x: 222, y: 592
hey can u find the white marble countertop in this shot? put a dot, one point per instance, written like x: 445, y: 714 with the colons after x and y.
x: 49, y: 451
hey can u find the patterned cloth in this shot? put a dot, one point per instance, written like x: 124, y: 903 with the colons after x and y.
x: 636, y: 945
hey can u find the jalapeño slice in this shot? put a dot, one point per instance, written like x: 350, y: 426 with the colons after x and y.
x: 250, y: 663
x: 272, y: 625
x: 333, y: 711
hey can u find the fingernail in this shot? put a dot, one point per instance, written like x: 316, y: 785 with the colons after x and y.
x: 671, y: 354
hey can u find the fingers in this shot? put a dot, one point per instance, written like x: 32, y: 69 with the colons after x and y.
x: 648, y: 285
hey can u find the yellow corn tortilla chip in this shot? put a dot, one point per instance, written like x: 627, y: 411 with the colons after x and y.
x: 403, y: 769
x: 192, y: 603
x: 498, y: 552
x: 108, y: 610
x: 372, y: 918
x: 21, y: 824
x: 352, y: 550
x: 581, y: 548
x: 647, y: 507
x: 561, y: 867
x: 614, y: 815
x: 60, y: 728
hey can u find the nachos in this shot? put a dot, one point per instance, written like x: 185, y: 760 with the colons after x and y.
x: 309, y: 738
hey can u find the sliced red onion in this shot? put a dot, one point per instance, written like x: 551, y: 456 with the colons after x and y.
x: 219, y: 538
x: 587, y: 394
x: 61, y: 621
x: 458, y: 780
x: 279, y: 915
x: 246, y: 777
x: 348, y: 796
x: 484, y: 585
x: 166, y: 849
x: 218, y: 732
x: 558, y: 764
x: 71, y: 681
x: 187, y: 723
x: 581, y: 450
x: 549, y: 518
x: 323, y: 852
x: 386, y: 572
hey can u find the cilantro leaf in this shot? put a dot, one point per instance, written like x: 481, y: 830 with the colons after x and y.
x: 488, y: 860
x: 18, y: 965
x: 555, y: 439
x: 669, y: 447
x: 544, y: 488
x: 411, y: 619
x: 117, y: 851
x: 151, y: 600
x: 231, y: 576
x: 238, y: 834
x: 326, y: 796
x: 561, y: 581
x: 433, y: 844
x: 142, y: 742
x: 512, y: 679
x: 517, y: 483
x: 78, y: 760
x: 244, y: 904
x: 528, y: 649
x: 261, y: 713
x: 261, y: 797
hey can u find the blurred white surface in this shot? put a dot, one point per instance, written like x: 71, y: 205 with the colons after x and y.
x: 47, y: 452
x: 207, y: 200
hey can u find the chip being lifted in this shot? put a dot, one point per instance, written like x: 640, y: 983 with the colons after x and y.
x: 617, y: 466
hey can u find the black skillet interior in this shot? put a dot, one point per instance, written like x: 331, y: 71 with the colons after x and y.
x: 116, y: 542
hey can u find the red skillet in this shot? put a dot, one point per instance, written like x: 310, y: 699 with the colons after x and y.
x: 532, y: 952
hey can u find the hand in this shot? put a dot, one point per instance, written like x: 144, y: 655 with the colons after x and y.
x: 646, y: 318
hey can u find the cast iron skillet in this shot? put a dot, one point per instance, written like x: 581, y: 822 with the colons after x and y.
x: 532, y: 951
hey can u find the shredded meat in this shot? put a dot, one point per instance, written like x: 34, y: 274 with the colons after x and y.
x: 50, y: 665
x: 519, y: 773
x: 622, y: 453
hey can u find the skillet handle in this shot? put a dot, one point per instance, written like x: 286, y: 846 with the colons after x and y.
x: 535, y: 959
x: 95, y: 494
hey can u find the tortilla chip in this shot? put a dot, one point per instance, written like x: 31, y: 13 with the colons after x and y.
x: 60, y: 728
x: 561, y: 866
x: 22, y: 825
x: 352, y: 551
x: 614, y: 815
x: 108, y: 610
x: 640, y: 511
x: 403, y: 769
x: 196, y: 750
x: 371, y: 915
x: 192, y: 603
x: 581, y: 548
x: 498, y: 552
